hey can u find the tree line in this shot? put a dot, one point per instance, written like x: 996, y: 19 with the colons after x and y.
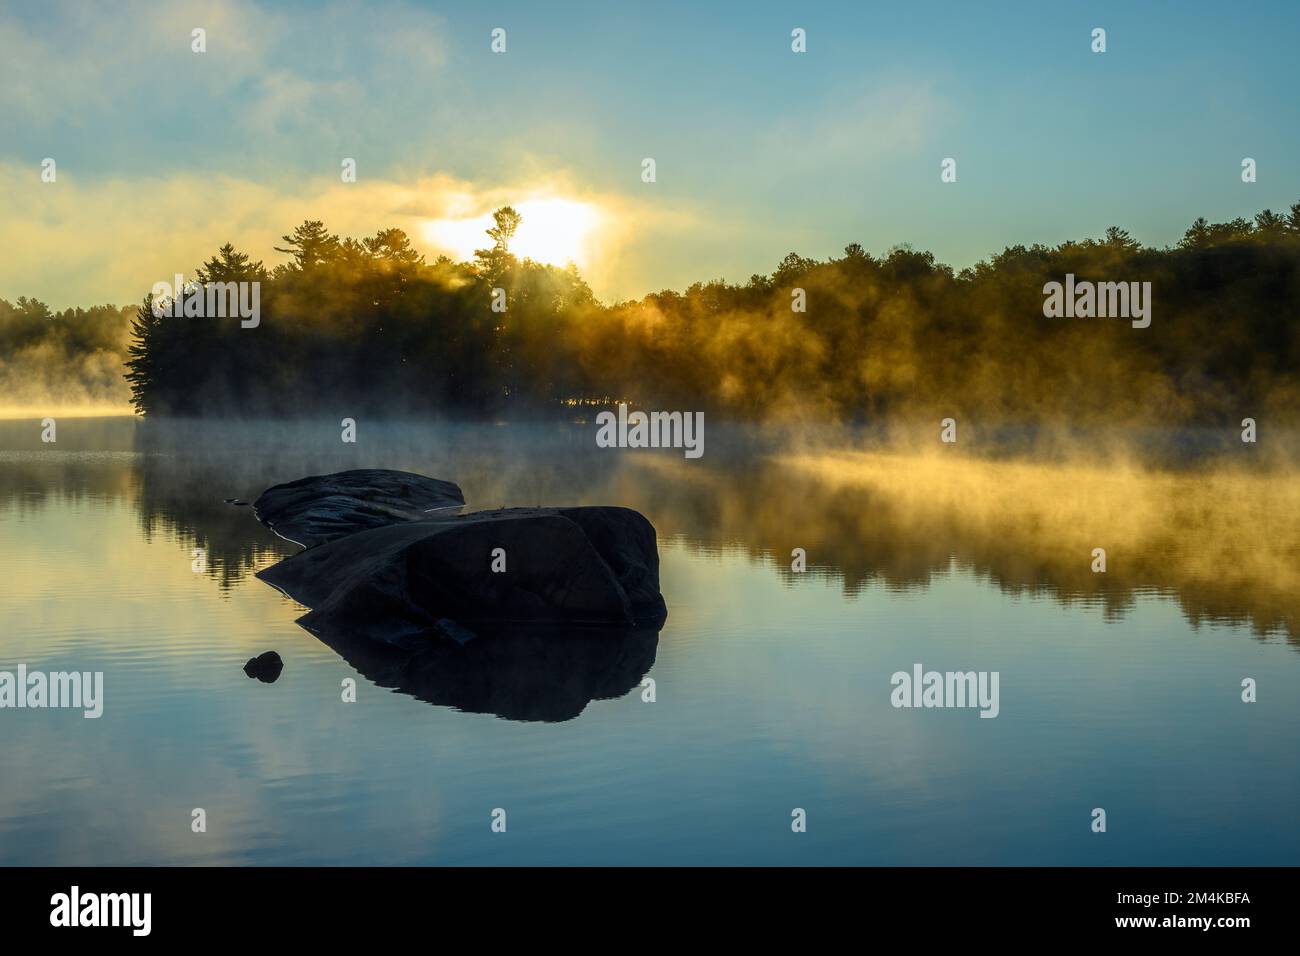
x: 73, y: 357
x: 355, y: 325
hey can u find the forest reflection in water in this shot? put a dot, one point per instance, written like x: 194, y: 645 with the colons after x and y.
x: 1220, y: 536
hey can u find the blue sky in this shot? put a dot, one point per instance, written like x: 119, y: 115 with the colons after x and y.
x: 163, y: 154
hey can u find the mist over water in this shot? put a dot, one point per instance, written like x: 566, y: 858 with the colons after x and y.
x: 1119, y: 689
x: 66, y: 362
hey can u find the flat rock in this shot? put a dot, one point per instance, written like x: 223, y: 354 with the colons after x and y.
x: 322, y: 508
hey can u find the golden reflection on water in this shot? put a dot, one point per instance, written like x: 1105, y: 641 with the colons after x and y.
x: 1224, y: 541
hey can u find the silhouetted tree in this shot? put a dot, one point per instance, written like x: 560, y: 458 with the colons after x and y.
x: 311, y: 245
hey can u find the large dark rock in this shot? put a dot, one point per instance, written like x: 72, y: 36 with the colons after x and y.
x: 385, y: 559
x: 596, y: 566
x: 321, y: 508
x: 403, y: 588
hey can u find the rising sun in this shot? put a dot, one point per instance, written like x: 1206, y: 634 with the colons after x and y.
x: 553, y: 230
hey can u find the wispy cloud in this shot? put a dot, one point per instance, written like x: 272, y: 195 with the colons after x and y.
x: 264, y: 72
x: 80, y: 240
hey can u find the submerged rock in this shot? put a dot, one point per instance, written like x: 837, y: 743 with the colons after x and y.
x: 265, y: 667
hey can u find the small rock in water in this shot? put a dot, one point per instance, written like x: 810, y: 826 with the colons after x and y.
x: 265, y: 667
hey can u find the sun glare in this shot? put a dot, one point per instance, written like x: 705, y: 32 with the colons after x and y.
x: 553, y: 230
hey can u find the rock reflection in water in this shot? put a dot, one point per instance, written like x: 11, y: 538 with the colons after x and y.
x: 533, y: 673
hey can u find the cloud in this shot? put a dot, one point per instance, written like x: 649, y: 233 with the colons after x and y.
x: 265, y: 73
x: 164, y: 154
x: 81, y: 241
x: 78, y: 62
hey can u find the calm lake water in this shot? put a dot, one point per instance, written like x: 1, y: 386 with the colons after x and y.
x: 1119, y: 690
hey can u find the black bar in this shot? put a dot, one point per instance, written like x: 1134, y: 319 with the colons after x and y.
x: 567, y: 906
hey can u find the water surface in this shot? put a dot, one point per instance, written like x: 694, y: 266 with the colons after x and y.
x: 1118, y: 690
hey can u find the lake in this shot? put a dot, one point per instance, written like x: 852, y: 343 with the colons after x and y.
x: 1119, y: 690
